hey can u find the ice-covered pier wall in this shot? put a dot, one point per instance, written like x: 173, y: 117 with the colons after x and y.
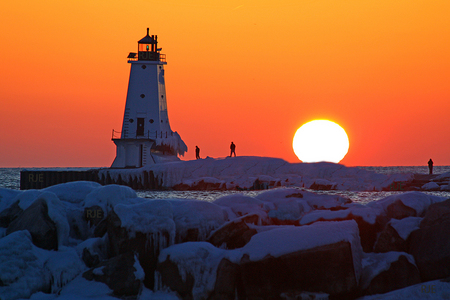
x: 39, y: 179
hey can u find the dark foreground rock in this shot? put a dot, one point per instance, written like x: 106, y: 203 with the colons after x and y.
x: 387, y: 272
x: 119, y: 273
x: 35, y: 219
x: 327, y: 269
x: 430, y: 245
x: 234, y: 234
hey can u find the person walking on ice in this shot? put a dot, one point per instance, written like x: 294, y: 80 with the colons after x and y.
x: 430, y: 166
x: 197, y: 152
x: 233, y: 149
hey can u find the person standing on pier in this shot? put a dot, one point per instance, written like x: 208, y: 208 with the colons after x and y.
x: 430, y: 166
x: 233, y: 149
x: 197, y: 152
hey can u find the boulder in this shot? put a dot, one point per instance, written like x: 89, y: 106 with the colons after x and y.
x: 430, y: 245
x: 322, y: 257
x: 10, y: 214
x: 370, y: 221
x: 145, y: 228
x: 395, y: 235
x: 122, y: 274
x: 36, y: 220
x: 193, y: 270
x: 234, y: 234
x: 385, y: 272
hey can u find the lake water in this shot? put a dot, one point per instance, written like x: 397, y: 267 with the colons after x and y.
x: 10, y: 178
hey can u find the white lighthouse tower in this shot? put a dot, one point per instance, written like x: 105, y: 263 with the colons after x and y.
x: 146, y: 137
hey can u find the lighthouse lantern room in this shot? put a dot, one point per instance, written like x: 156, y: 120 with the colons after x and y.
x: 146, y: 137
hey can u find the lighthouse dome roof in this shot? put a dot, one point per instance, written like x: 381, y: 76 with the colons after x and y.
x: 147, y: 39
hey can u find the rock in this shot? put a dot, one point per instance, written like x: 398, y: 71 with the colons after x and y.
x: 322, y: 257
x: 10, y: 214
x: 323, y: 185
x: 370, y: 222
x: 35, y: 219
x: 144, y: 228
x: 431, y: 186
x: 89, y: 259
x: 430, y: 245
x: 227, y: 285
x: 194, y: 269
x: 234, y: 234
x: 327, y: 269
x: 385, y: 272
x: 395, y: 234
x: 119, y: 273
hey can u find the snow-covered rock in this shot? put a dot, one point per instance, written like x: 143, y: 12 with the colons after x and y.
x: 384, y: 272
x: 431, y: 186
x: 395, y: 234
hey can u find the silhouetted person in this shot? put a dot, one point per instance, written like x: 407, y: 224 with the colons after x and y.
x: 197, y: 152
x: 233, y: 149
x: 430, y: 166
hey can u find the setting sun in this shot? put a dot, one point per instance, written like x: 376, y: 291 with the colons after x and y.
x: 320, y: 140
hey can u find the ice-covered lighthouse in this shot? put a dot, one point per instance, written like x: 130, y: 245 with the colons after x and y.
x: 146, y: 136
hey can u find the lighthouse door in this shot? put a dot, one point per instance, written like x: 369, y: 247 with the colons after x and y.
x: 140, y: 127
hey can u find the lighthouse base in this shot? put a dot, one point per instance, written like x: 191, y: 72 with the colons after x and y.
x: 133, y: 153
x: 137, y: 153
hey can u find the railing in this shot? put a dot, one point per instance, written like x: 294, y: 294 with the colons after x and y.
x: 162, y: 57
x: 150, y: 135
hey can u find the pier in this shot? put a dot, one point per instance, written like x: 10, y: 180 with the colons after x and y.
x: 42, y: 178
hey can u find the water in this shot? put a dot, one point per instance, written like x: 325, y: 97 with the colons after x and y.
x: 10, y: 178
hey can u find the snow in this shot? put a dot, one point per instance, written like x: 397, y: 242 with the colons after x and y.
x: 109, y: 196
x: 244, y: 170
x: 284, y: 240
x: 431, y: 290
x: 368, y: 214
x: 415, y: 200
x: 375, y: 263
x: 139, y: 274
x: 243, y: 205
x: 6, y: 197
x: 405, y: 226
x: 199, y: 259
x: 201, y: 215
x: 74, y: 192
x: 430, y: 186
x: 98, y: 271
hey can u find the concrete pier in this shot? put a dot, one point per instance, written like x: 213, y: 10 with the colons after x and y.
x: 42, y: 178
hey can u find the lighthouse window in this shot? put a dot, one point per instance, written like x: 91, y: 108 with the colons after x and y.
x: 162, y: 96
x: 142, y: 96
x: 151, y: 121
x: 162, y: 121
x: 144, y: 67
x: 131, y: 120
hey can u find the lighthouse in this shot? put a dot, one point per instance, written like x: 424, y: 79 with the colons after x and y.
x: 146, y: 137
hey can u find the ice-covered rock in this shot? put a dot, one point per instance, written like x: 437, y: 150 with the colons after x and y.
x: 395, y: 234
x: 409, y: 204
x: 190, y: 269
x: 73, y: 192
x: 123, y: 274
x: 367, y: 218
x: 384, y: 272
x: 107, y: 197
x: 430, y: 244
x: 145, y: 228
x: 194, y: 220
x: 431, y: 186
x: 235, y: 233
x: 26, y: 269
x: 322, y: 257
x: 243, y: 205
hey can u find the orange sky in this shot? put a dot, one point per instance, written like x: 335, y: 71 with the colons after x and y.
x: 250, y: 72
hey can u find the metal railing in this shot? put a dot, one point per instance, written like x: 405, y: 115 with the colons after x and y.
x: 150, y: 135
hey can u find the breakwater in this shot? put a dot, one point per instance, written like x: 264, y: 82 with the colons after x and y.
x: 39, y: 179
